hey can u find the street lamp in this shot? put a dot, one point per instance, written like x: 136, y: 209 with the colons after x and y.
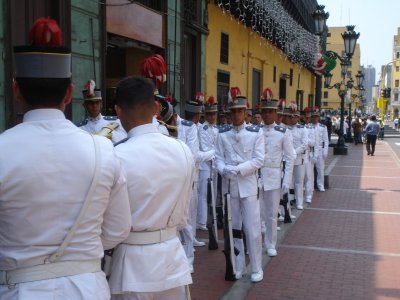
x: 320, y: 17
x: 350, y: 40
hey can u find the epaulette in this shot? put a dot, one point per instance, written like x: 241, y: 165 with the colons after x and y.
x: 309, y: 126
x: 110, y: 118
x: 225, y: 128
x: 322, y: 125
x: 186, y: 123
x: 253, y: 128
x: 121, y: 141
x: 82, y: 123
x: 280, y: 128
x: 205, y: 127
x: 300, y: 126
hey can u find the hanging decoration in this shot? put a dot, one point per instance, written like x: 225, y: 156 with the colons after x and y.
x: 270, y: 20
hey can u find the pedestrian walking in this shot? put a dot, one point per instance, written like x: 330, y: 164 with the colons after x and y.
x: 396, y: 123
x: 372, y: 131
x: 381, y: 129
x: 151, y: 263
x: 63, y: 195
x: 357, y: 129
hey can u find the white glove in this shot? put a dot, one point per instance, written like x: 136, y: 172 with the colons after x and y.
x: 285, y: 188
x: 229, y: 172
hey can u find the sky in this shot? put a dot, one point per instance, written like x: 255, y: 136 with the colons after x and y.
x: 376, y: 20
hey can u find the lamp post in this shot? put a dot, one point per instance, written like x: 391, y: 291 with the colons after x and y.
x: 350, y: 40
x: 320, y: 17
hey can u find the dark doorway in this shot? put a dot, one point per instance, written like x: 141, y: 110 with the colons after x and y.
x: 282, y: 88
x: 256, y: 87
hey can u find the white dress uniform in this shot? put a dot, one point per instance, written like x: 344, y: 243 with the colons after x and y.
x: 187, y: 133
x: 243, y: 147
x: 207, y: 139
x: 313, y: 139
x: 300, y: 143
x: 94, y: 125
x: 323, y: 154
x: 160, y: 176
x: 278, y: 147
x: 46, y: 168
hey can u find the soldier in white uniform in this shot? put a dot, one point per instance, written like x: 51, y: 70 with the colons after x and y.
x: 240, y: 153
x: 278, y: 147
x: 95, y: 122
x: 322, y: 148
x: 312, y: 151
x: 188, y: 133
x: 208, y: 132
x: 151, y: 262
x: 54, y: 222
x: 300, y: 143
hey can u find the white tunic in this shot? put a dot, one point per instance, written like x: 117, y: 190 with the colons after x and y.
x: 94, y: 125
x: 46, y: 167
x: 300, y: 143
x: 323, y: 140
x: 243, y: 147
x: 278, y: 147
x: 160, y: 177
x: 207, y: 139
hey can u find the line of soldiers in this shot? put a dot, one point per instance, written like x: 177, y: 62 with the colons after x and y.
x: 66, y: 195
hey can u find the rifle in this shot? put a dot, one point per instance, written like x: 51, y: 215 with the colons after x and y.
x: 285, y: 203
x: 211, y: 215
x: 229, y: 248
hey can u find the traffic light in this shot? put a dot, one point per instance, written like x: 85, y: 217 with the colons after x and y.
x: 383, y: 93
x: 388, y: 91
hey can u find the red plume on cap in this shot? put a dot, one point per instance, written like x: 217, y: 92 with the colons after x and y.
x: 267, y: 94
x: 154, y: 67
x: 235, y: 91
x: 199, y: 97
x: 247, y: 104
x: 282, y: 103
x: 307, y: 109
x: 210, y: 100
x: 89, y: 87
x: 257, y: 106
x: 45, y: 32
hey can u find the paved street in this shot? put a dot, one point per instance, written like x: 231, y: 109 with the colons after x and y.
x: 345, y: 245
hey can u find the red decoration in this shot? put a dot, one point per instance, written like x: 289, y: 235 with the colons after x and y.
x: 45, y: 32
x: 169, y: 99
x: 235, y: 91
x: 154, y: 67
x: 247, y: 104
x: 210, y: 100
x: 267, y: 94
x: 199, y: 97
x: 89, y: 87
x: 282, y: 103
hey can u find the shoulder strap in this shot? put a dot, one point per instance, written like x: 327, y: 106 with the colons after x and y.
x: 60, y: 251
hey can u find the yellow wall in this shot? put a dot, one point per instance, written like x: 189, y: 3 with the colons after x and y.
x: 247, y: 51
x: 335, y: 43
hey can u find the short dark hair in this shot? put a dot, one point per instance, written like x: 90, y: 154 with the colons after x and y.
x: 373, y: 118
x: 190, y: 115
x: 46, y: 92
x: 135, y: 91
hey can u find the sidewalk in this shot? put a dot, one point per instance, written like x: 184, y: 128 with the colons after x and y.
x: 345, y: 245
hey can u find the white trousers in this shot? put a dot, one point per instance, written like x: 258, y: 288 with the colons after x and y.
x: 177, y: 293
x: 298, y: 180
x: 202, y: 202
x: 320, y: 165
x: 269, y: 215
x: 189, y: 231
x: 309, y: 180
x: 246, y: 212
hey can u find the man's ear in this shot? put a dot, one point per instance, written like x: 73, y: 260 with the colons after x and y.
x: 68, y: 95
x: 156, y: 108
x: 118, y: 111
x: 16, y: 91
